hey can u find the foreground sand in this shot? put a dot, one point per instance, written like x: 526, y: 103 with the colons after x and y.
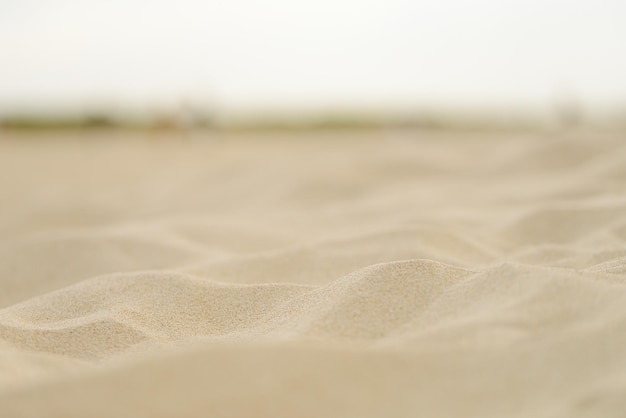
x: 364, y: 275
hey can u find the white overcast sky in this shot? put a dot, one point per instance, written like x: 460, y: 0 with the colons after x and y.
x: 257, y: 54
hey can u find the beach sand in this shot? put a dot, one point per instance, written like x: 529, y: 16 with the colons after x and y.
x: 376, y: 274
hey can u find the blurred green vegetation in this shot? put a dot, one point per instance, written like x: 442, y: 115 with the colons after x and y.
x: 424, y: 120
x: 32, y: 122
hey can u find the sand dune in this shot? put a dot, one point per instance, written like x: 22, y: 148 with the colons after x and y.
x: 363, y: 275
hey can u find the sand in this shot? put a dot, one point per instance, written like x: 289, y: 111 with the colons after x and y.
x: 381, y: 274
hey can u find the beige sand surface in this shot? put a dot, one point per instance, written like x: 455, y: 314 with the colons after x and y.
x: 390, y: 274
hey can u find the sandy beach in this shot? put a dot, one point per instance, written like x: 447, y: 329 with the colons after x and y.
x: 374, y: 274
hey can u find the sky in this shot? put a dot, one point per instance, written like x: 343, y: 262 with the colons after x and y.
x: 246, y: 55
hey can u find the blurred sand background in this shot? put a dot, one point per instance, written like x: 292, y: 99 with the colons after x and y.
x: 355, y: 274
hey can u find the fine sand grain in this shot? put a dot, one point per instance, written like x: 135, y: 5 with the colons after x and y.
x: 391, y: 274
